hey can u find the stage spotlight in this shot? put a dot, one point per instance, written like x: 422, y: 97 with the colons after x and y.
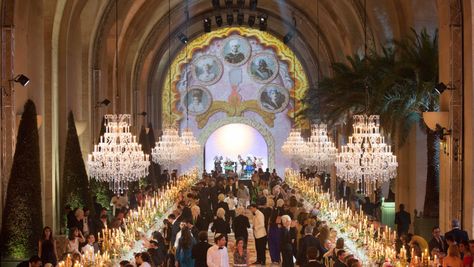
x: 240, y: 3
x: 207, y: 25
x: 216, y: 4
x: 21, y: 79
x: 288, y: 37
x: 219, y: 20
x: 230, y: 19
x: 183, y: 38
x: 104, y: 102
x: 251, y: 20
x: 229, y: 3
x: 263, y: 22
x: 240, y: 19
x: 253, y: 5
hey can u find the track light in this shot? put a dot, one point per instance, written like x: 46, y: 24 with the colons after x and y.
x: 230, y: 19
x: 229, y: 3
x: 240, y: 19
x: 183, y: 38
x: 263, y: 22
x: 22, y: 79
x: 103, y: 103
x: 251, y: 20
x: 219, y: 20
x: 253, y: 5
x: 207, y: 25
x: 441, y: 87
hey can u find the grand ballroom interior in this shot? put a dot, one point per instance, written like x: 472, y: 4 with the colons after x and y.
x: 144, y: 132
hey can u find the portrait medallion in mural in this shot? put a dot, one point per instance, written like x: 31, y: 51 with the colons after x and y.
x: 236, y: 50
x: 197, y: 100
x: 207, y: 69
x: 263, y: 67
x: 273, y: 98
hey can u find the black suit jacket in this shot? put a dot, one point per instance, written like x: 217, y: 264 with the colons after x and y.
x: 338, y: 263
x: 288, y: 236
x: 442, y: 246
x: 175, y: 229
x: 233, y: 189
x: 458, y: 235
x: 306, y: 242
x: 199, y: 254
x: 240, y: 225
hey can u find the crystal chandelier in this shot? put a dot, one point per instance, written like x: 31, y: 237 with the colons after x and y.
x: 118, y: 158
x: 366, y: 159
x: 294, y: 146
x: 190, y: 143
x: 169, y: 148
x: 320, y: 151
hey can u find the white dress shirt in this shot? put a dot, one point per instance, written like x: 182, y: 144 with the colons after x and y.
x: 217, y: 257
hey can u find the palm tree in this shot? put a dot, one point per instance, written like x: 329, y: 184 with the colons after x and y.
x: 395, y: 83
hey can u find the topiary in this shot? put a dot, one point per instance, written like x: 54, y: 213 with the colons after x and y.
x: 22, y: 216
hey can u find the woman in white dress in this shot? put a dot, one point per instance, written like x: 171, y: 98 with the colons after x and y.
x: 73, y: 241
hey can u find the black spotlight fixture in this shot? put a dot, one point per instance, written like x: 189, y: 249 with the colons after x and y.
x: 253, y: 5
x: 219, y: 20
x: 183, y: 38
x: 216, y: 4
x: 103, y: 103
x: 441, y: 87
x: 240, y: 3
x: 240, y: 19
x: 288, y: 37
x: 229, y: 3
x: 21, y: 79
x: 207, y: 25
x: 251, y: 20
x: 263, y: 22
x: 230, y: 19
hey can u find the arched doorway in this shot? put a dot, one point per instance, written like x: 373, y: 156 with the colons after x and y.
x: 233, y: 140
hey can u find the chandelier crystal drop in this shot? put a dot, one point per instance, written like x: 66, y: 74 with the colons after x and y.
x: 190, y: 143
x: 118, y: 158
x: 366, y: 159
x: 294, y: 146
x: 169, y: 150
x: 320, y: 150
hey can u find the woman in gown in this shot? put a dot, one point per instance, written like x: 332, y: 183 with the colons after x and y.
x: 47, y: 247
x: 274, y: 233
x: 241, y: 258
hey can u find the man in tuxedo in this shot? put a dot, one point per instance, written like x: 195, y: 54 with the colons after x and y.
x: 307, y: 241
x: 438, y: 241
x: 341, y: 254
x: 287, y: 241
x: 199, y: 251
x: 175, y: 228
x: 402, y: 220
x: 231, y: 187
x: 457, y: 233
x: 260, y: 234
x: 312, y: 255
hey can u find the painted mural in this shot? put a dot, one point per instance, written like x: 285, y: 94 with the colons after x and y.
x: 240, y: 74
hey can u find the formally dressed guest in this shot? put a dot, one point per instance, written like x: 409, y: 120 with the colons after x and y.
x: 312, y: 255
x: 88, y: 225
x: 241, y: 258
x: 167, y: 229
x: 402, y: 220
x: 47, y: 247
x: 194, y: 230
x: 175, y: 225
x: 259, y: 233
x: 221, y: 204
x: 267, y: 210
x: 457, y: 233
x: 197, y: 220
x: 240, y: 225
x: 437, y: 241
x: 231, y: 187
x: 288, y: 238
x: 232, y: 203
x: 339, y: 262
x: 144, y: 260
x: 243, y: 195
x: 307, y: 241
x: 217, y: 255
x: 205, y: 203
x: 199, y: 251
x: 274, y: 237
x: 220, y: 226
x: 156, y: 253
x: 466, y: 255
x: 74, y: 240
x: 184, y: 250
x: 453, y: 259
x: 91, y: 245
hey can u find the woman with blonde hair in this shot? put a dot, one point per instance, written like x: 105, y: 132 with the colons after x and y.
x: 197, y: 220
x: 222, y: 204
x: 453, y: 259
x: 220, y: 226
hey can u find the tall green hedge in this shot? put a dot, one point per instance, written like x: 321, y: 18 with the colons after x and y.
x: 76, y: 183
x: 22, y: 216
